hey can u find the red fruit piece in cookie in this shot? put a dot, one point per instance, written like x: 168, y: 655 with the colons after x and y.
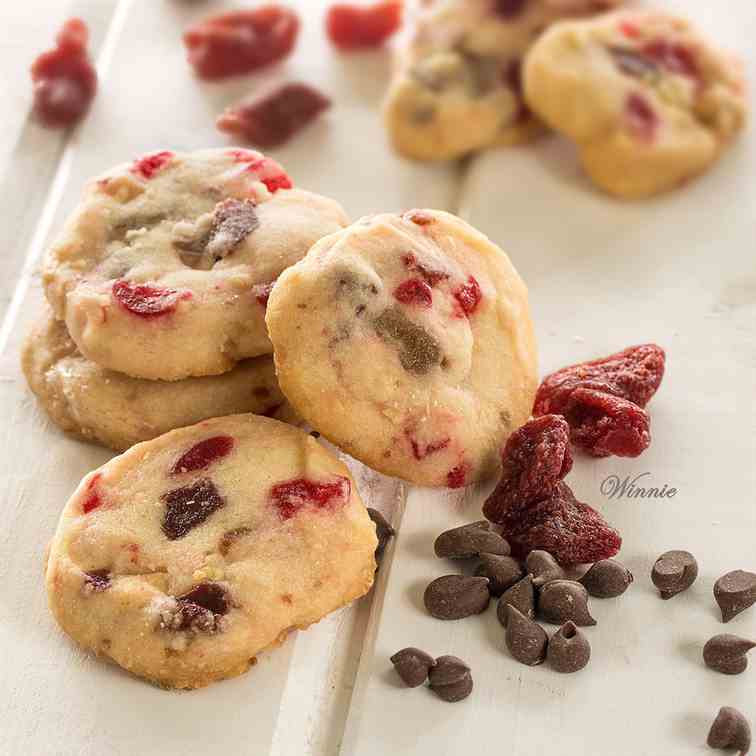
x: 413, y: 291
x: 673, y: 57
x: 572, y: 532
x: 291, y: 496
x: 65, y: 81
x: 189, y: 506
x: 203, y: 454
x: 92, y: 500
x: 431, y: 277
x: 468, y: 296
x: 262, y: 292
x: 241, y: 41
x: 642, y: 120
x: 146, y: 301
x: 535, y: 459
x: 422, y: 450
x: 351, y: 27
x: 604, y: 424
x: 274, y: 118
x: 151, y: 164
x: 268, y: 171
x: 457, y: 476
x: 96, y: 581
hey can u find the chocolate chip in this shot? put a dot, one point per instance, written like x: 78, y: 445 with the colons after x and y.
x: 502, y: 572
x: 727, y: 653
x: 569, y: 650
x: 730, y: 730
x: 96, y: 581
x: 607, y: 579
x: 200, y: 610
x: 383, y: 530
x: 470, y: 540
x: 450, y: 679
x: 418, y: 350
x: 735, y: 592
x: 412, y: 665
x: 210, y: 596
x: 456, y: 596
x: 525, y: 639
x: 543, y: 567
x: 189, y: 506
x: 521, y: 596
x: 233, y: 221
x: 674, y: 572
x: 563, y: 600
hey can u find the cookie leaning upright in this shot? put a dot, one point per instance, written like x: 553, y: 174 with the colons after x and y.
x: 649, y: 102
x: 187, y: 555
x: 164, y: 269
x: 406, y: 340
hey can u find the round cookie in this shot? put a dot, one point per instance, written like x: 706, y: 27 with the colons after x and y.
x: 118, y: 411
x: 406, y: 340
x: 164, y: 269
x: 648, y: 101
x: 187, y: 555
x: 457, y: 87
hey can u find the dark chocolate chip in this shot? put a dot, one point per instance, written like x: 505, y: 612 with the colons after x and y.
x: 730, y: 730
x: 210, y: 596
x: 200, y: 609
x: 735, y: 592
x: 543, y: 567
x: 233, y: 221
x: 525, y: 639
x: 521, y: 596
x: 450, y: 679
x: 383, y: 530
x: 412, y: 665
x: 607, y: 579
x: 569, y: 650
x: 502, y: 572
x: 727, y: 653
x: 96, y: 581
x: 674, y: 572
x: 418, y: 350
x: 470, y: 540
x: 189, y: 506
x: 563, y: 600
x: 456, y: 596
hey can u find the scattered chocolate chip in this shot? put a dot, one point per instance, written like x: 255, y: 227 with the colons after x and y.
x: 470, y: 540
x: 96, y: 581
x: 502, y: 572
x: 521, y: 596
x: 569, y: 650
x: 674, y: 572
x: 456, y: 596
x: 525, y: 639
x: 543, y: 567
x: 200, y: 610
x: 735, y: 592
x: 233, y: 221
x: 189, y: 506
x: 418, y: 350
x: 412, y: 665
x: 730, y: 730
x: 727, y: 653
x: 450, y: 679
x: 563, y: 600
x: 383, y: 530
x: 607, y: 579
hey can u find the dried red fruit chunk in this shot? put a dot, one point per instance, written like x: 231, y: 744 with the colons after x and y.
x: 203, y: 454
x: 572, y: 532
x: 468, y: 296
x: 457, y: 476
x: 672, y: 56
x: 92, y: 500
x: 262, y: 292
x: 96, y: 581
x: 189, y: 506
x: 419, y: 217
x: 276, y: 117
x: 268, y: 171
x: 351, y: 27
x: 432, y: 277
x: 604, y: 424
x: 413, y: 291
x: 630, y: 29
x: 146, y: 301
x: 201, y: 608
x: 65, y: 81
x: 535, y: 459
x: 149, y: 165
x: 421, y: 451
x: 641, y: 119
x: 509, y: 8
x: 292, y: 496
x: 238, y: 42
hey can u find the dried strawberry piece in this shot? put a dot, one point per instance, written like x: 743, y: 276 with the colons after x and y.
x: 203, y: 454
x: 422, y: 450
x: 457, y: 476
x: 267, y: 170
x: 535, y: 459
x: 432, y: 277
x: 572, y: 532
x: 146, y: 301
x: 291, y: 496
x: 673, y: 57
x: 274, y: 118
x: 413, y: 291
x: 641, y: 119
x: 634, y: 374
x: 238, y: 42
x: 92, y: 500
x: 351, y: 27
x: 96, y: 581
x: 65, y: 81
x: 189, y: 506
x: 604, y: 424
x: 468, y: 296
x: 151, y: 164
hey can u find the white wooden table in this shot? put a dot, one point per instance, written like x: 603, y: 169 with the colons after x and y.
x: 680, y: 270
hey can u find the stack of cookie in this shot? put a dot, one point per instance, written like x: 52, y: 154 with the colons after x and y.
x: 158, y: 287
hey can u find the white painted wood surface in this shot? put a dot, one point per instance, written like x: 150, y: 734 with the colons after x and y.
x: 680, y: 270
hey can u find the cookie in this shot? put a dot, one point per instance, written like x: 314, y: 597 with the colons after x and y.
x: 118, y: 411
x: 183, y: 558
x: 457, y: 88
x: 406, y: 340
x: 164, y: 269
x: 649, y: 102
